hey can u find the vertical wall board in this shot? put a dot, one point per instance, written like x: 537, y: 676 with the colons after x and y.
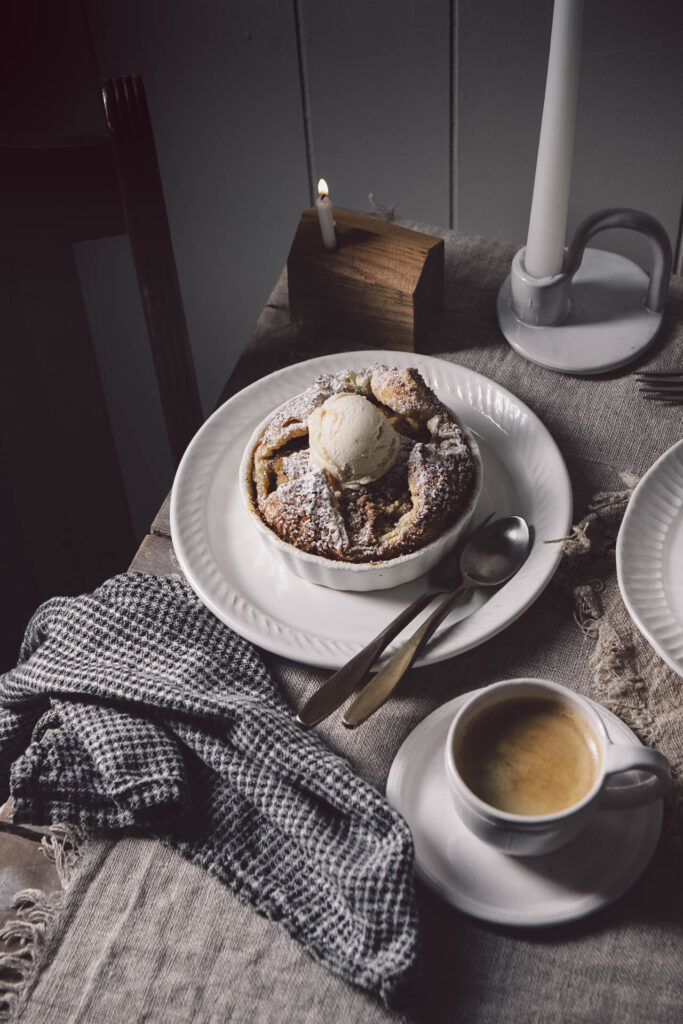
x: 223, y: 88
x: 501, y: 54
x: 629, y: 146
x: 117, y: 327
x: 378, y: 84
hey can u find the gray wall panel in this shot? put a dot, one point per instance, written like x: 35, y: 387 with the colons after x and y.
x: 378, y: 81
x: 629, y: 142
x: 223, y: 88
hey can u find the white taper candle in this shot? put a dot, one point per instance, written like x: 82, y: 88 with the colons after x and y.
x: 548, y: 219
x: 325, y: 217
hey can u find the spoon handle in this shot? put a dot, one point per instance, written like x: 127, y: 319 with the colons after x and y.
x: 387, y: 679
x: 341, y: 685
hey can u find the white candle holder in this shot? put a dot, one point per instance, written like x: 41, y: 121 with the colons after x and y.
x: 600, y: 313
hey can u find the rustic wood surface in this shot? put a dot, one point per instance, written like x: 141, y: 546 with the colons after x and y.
x: 383, y: 284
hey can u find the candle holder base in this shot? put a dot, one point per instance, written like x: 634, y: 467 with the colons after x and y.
x: 600, y: 313
x: 607, y: 325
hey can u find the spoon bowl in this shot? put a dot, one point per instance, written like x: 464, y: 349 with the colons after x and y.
x: 493, y: 555
x: 489, y: 556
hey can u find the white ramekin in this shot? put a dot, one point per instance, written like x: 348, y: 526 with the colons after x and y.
x: 327, y: 572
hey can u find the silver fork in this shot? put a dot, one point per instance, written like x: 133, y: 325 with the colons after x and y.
x: 664, y: 386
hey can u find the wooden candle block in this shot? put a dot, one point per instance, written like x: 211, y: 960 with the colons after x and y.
x: 383, y: 285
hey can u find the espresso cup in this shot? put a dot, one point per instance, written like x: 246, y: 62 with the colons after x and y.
x: 529, y: 762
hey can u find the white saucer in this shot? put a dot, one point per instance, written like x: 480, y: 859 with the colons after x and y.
x: 650, y: 556
x: 587, y: 874
x: 234, y: 574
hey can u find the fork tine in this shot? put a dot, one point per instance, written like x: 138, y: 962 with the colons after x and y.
x: 659, y: 375
x: 664, y: 399
x: 656, y: 389
x: 664, y: 386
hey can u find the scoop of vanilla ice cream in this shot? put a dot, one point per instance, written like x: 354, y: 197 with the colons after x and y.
x: 352, y: 440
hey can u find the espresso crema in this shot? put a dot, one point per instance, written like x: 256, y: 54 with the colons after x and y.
x: 528, y: 756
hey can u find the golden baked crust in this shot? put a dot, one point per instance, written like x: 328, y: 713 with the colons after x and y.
x: 427, y: 488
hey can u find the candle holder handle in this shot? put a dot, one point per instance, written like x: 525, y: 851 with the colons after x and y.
x: 634, y: 220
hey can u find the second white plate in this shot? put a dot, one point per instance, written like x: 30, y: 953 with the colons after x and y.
x: 650, y: 556
x: 227, y: 564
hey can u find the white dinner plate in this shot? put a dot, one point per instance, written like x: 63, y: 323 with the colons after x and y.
x: 229, y: 567
x: 650, y: 556
x: 595, y: 868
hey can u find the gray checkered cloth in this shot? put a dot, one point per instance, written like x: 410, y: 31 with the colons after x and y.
x: 164, y: 720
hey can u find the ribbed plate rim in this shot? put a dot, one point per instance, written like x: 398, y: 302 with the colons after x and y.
x: 641, y: 544
x: 543, y: 462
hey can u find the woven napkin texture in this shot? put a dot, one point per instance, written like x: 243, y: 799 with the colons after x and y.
x: 163, y: 719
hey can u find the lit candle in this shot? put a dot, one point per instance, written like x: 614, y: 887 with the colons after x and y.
x: 548, y: 220
x: 325, y: 217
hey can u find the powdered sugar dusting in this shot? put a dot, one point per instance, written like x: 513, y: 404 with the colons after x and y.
x: 423, y: 493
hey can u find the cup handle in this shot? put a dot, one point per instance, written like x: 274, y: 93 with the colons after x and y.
x: 627, y: 757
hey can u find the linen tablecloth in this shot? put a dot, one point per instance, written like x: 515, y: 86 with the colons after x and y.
x: 145, y: 936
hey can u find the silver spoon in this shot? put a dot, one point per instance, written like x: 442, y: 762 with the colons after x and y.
x: 491, y: 557
x: 331, y: 695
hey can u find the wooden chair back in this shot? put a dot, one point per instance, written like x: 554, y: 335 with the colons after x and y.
x: 64, y: 518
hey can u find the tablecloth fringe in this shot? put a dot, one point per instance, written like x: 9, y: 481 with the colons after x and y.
x: 620, y: 684
x: 23, y: 937
x: 623, y: 690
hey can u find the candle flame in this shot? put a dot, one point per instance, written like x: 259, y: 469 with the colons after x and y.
x: 323, y: 190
